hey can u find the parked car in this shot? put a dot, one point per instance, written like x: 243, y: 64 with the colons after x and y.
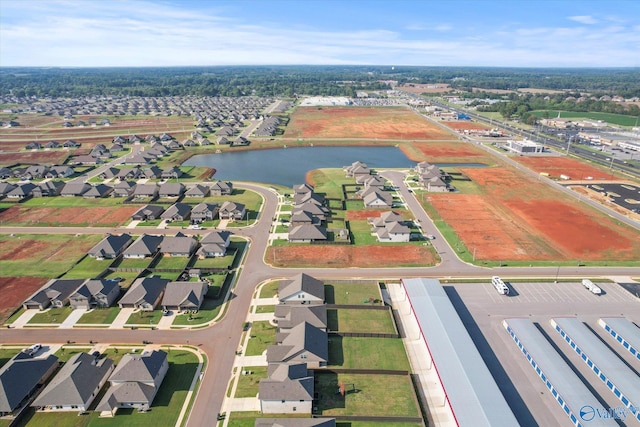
x: 32, y: 350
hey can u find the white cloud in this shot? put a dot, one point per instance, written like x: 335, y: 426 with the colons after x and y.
x: 584, y: 19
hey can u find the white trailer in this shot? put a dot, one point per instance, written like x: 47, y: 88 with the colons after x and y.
x: 500, y: 286
x: 591, y: 286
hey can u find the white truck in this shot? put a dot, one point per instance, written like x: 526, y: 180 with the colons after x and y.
x: 500, y: 286
x: 591, y: 286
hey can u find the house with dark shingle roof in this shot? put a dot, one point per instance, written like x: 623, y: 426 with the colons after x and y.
x: 172, y: 172
x: 288, y: 316
x: 303, y: 344
x: 123, y: 189
x: 178, y: 245
x: 171, y: 189
x: 148, y: 212
x: 145, y: 190
x: 145, y: 246
x: 232, y: 211
x: 75, y: 189
x: 20, y: 378
x: 144, y: 293
x: 98, y: 191
x: 76, y: 385
x: 55, y: 292
x: 93, y: 293
x: 183, y: 296
x: 61, y: 171
x: 288, y: 389
x: 204, y: 212
x: 198, y: 190
x: 302, y: 289
x: 153, y: 172
x: 222, y: 188
x: 177, y: 212
x: 307, y: 233
x: 48, y: 189
x: 22, y: 191
x: 214, y: 244
x: 111, y: 246
x: 134, y: 383
x: 6, y: 188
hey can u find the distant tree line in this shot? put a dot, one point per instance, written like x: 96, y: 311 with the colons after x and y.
x: 289, y: 81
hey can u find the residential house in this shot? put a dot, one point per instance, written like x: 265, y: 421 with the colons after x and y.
x: 75, y: 189
x: 35, y: 172
x: 204, y: 212
x: 221, y: 188
x: 109, y: 173
x: 306, y: 233
x: 119, y: 140
x: 184, y: 296
x: 198, y: 190
x: 178, y: 245
x: 356, y: 169
x: 232, y: 211
x: 222, y: 140
x: 138, y: 159
x: 288, y: 316
x: 371, y: 181
x: 70, y: 144
x: 393, y: 232
x: 55, y: 292
x: 214, y: 244
x: 129, y: 173
x: 302, y: 289
x: 111, y: 246
x: 116, y: 148
x: 21, y: 377
x: 375, y: 198
x: 436, y: 184
x: 144, y: 293
x: 33, y: 146
x: 166, y: 137
x: 60, y: 172
x: 52, y: 144
x: 76, y: 385
x: 302, y: 217
x: 98, y: 191
x: 289, y: 389
x: 241, y: 141
x: 171, y: 173
x: 152, y: 172
x: 312, y: 207
x: 86, y: 160
x: 148, y: 213
x: 123, y: 189
x: 48, y: 189
x: 94, y: 293
x: 303, y: 344
x: 171, y: 189
x: 145, y: 246
x: 177, y: 212
x: 5, y: 172
x: 22, y: 191
x: 134, y: 383
x: 6, y: 188
x: 143, y: 191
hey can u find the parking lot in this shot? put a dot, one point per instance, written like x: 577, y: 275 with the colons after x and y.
x: 625, y: 195
x: 482, y: 310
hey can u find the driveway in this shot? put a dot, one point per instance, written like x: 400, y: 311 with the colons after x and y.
x: 73, y: 318
x: 122, y: 318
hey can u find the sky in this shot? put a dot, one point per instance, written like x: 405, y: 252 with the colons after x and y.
x: 514, y: 33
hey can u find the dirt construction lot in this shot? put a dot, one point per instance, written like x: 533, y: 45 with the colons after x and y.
x: 100, y: 216
x: 14, y: 291
x: 519, y: 218
x: 372, y: 123
x: 556, y: 166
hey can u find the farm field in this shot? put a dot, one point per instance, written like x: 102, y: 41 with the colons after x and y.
x: 349, y: 122
x: 15, y: 290
x: 504, y: 223
x: 556, y: 166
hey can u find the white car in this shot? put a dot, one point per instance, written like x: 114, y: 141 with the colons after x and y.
x: 32, y: 350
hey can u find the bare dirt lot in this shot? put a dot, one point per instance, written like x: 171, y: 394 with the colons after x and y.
x: 350, y: 256
x: 100, y: 216
x: 464, y: 125
x: 446, y: 152
x: 556, y: 166
x: 14, y: 291
x: 372, y: 123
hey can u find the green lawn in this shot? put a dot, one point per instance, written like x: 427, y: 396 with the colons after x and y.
x: 350, y: 320
x: 133, y: 263
x: 352, y: 293
x: 265, y: 309
x: 367, y: 353
x: 145, y: 318
x: 361, y: 231
x: 88, y: 268
x: 329, y: 182
x: 217, y: 262
x: 269, y: 290
x: 251, y: 199
x: 248, y: 384
x: 263, y: 335
x: 6, y: 354
x: 100, y: 315
x: 172, y: 262
x: 53, y: 315
x: 370, y: 395
x: 126, y: 276
x: 212, y: 305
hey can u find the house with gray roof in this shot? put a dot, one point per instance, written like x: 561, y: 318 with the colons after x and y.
x: 21, y: 377
x: 94, y: 293
x: 288, y: 316
x: 177, y: 212
x: 232, y: 211
x: 204, y: 212
x: 145, y: 246
x: 145, y: 191
x: 75, y: 189
x: 134, y: 383
x: 171, y: 189
x: 303, y: 344
x: 59, y: 172
x: 76, y: 385
x: 98, y: 191
x: 288, y: 389
x: 152, y: 172
x: 307, y: 233
x: 35, y: 172
x: 55, y: 292
x: 183, y: 296
x: 312, y: 207
x: 111, y: 246
x: 221, y: 188
x: 48, y: 189
x: 302, y: 289
x: 197, y: 190
x: 376, y: 198
x: 173, y: 172
x: 145, y: 293
x: 148, y: 212
x: 123, y: 189
x: 393, y: 232
x: 356, y: 169
x: 214, y: 244
x: 22, y: 191
x: 178, y: 245
x: 6, y: 188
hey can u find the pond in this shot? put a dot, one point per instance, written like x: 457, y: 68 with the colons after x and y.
x: 289, y: 166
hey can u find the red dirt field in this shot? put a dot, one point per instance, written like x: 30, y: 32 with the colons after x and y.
x: 15, y: 250
x: 99, y: 216
x: 556, y: 166
x: 349, y: 256
x: 455, y: 150
x: 14, y: 291
x: 371, y: 123
x: 56, y: 157
x: 361, y: 215
x: 464, y: 125
x: 518, y: 218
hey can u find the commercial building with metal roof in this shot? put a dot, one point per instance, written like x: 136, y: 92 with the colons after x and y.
x: 470, y: 389
x: 565, y: 386
x: 625, y: 332
x: 612, y: 371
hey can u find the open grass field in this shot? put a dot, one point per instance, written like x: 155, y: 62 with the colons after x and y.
x: 352, y: 293
x: 556, y: 166
x: 616, y: 119
x: 353, y: 122
x: 506, y: 223
x: 88, y: 268
x: 42, y: 255
x: 15, y: 290
x: 367, y: 353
